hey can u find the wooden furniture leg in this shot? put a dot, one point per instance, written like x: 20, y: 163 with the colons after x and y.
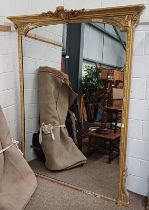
x: 147, y: 204
x: 80, y: 143
x: 116, y: 121
x: 110, y: 152
x: 89, y: 145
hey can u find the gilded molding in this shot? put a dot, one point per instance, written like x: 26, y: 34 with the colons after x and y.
x: 125, y: 18
x: 125, y: 194
x: 122, y: 17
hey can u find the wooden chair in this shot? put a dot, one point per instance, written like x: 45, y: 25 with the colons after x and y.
x: 114, y: 107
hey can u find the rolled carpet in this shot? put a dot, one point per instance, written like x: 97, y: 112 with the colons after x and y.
x: 17, y: 180
x: 55, y: 97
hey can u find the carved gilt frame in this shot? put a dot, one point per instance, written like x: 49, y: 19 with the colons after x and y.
x: 126, y: 18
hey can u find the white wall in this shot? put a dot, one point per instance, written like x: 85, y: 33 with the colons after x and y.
x: 138, y: 134
x: 138, y: 160
x: 9, y: 79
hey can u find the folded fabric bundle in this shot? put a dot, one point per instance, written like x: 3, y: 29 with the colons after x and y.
x: 17, y: 180
x: 55, y: 98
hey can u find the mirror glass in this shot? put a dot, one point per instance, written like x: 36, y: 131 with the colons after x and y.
x: 75, y: 138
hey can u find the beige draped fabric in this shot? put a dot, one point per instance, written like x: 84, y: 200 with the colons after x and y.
x: 55, y: 98
x: 17, y: 180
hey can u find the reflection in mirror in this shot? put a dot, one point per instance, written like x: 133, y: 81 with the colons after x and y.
x: 92, y: 55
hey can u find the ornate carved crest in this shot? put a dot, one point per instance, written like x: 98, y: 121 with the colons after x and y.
x: 62, y: 13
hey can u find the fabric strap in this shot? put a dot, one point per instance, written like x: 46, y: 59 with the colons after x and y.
x: 14, y: 142
x: 48, y: 129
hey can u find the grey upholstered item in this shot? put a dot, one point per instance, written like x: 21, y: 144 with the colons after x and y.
x: 17, y: 180
x: 55, y: 98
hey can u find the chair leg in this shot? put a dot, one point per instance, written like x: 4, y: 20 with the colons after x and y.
x: 80, y: 143
x: 116, y: 122
x: 147, y: 204
x: 89, y: 146
x: 110, y: 152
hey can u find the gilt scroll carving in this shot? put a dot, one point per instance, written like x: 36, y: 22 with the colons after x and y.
x: 62, y: 13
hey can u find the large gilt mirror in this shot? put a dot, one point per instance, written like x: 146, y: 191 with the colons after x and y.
x: 75, y: 72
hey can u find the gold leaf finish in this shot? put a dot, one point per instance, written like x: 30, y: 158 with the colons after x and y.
x: 122, y: 17
x: 62, y: 13
x: 125, y: 18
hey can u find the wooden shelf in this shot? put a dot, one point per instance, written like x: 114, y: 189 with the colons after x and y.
x: 5, y: 28
x: 44, y: 39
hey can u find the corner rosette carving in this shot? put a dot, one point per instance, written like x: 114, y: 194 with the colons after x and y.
x: 124, y: 22
x: 25, y: 28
